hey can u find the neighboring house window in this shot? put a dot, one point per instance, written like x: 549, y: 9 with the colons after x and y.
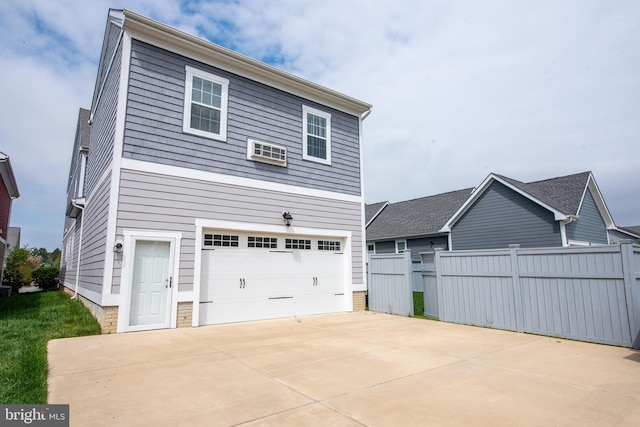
x: 205, y: 104
x: 401, y: 245
x: 371, y: 248
x: 316, y: 132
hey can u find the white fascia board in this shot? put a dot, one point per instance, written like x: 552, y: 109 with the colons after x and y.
x: 558, y: 216
x: 174, y: 40
x: 8, y: 177
x: 157, y: 168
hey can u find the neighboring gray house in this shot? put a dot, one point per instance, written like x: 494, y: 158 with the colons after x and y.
x: 563, y: 211
x: 412, y: 224
x: 207, y: 187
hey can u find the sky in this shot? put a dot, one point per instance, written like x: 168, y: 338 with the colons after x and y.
x: 460, y: 88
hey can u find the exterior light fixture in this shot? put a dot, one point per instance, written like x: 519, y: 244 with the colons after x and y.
x: 287, y: 218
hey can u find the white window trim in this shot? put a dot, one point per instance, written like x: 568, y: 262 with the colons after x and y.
x: 397, y: 245
x: 309, y: 110
x: 186, y: 118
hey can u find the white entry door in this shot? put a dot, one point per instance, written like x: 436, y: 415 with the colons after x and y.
x: 150, y: 285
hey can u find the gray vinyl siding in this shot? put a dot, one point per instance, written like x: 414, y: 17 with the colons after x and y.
x: 158, y: 202
x: 589, y: 227
x: 94, y: 238
x: 501, y: 217
x: 153, y: 129
x: 109, y: 46
x: 426, y: 244
x: 103, y: 128
x: 617, y: 237
x: 69, y: 260
x: 388, y: 247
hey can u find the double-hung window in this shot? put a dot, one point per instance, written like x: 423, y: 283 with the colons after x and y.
x: 205, y: 104
x: 316, y: 133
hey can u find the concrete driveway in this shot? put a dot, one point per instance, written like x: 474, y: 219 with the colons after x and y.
x: 347, y: 369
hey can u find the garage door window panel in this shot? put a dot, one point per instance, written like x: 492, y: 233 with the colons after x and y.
x: 298, y: 244
x: 220, y: 240
x: 262, y: 242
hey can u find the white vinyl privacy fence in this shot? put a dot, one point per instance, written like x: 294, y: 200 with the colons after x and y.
x: 589, y: 294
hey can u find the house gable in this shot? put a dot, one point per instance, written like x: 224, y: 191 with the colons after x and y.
x: 590, y: 227
x: 501, y: 216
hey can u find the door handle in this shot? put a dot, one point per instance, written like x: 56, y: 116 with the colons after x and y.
x: 243, y: 283
x: 169, y: 282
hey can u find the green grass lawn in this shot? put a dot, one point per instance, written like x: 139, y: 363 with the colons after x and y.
x: 27, y: 323
x: 418, y: 304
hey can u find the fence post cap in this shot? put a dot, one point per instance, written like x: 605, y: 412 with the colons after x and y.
x: 437, y: 249
x: 514, y: 245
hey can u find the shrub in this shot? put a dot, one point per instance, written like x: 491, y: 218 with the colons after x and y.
x: 12, y: 278
x: 45, y: 277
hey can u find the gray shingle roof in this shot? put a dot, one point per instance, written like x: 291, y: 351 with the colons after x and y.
x: 371, y: 210
x: 563, y: 193
x: 633, y: 229
x: 417, y: 217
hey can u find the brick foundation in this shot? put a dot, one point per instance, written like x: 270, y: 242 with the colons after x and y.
x: 359, y: 301
x: 185, y: 314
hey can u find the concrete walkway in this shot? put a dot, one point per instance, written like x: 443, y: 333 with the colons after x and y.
x: 343, y: 370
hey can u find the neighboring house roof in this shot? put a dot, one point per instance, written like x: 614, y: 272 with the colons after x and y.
x: 417, y: 217
x: 561, y: 195
x: 633, y: 230
x: 373, y: 210
x: 6, y: 172
x: 203, y: 50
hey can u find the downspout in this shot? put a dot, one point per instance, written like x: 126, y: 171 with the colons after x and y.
x: 364, y: 252
x: 81, y: 207
x: 563, y: 231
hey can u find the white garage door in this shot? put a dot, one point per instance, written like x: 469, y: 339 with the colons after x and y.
x: 263, y: 276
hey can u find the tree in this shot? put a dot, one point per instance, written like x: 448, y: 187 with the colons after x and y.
x: 41, y: 252
x: 18, y: 269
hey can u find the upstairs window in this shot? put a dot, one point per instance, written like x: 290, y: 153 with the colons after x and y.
x: 205, y: 104
x: 316, y: 133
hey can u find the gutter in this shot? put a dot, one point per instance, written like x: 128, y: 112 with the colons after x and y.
x: 8, y: 176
